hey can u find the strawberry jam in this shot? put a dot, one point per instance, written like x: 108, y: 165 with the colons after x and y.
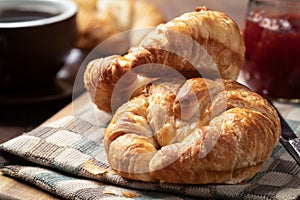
x: 272, y: 66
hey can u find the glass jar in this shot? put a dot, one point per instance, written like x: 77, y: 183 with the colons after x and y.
x: 272, y: 39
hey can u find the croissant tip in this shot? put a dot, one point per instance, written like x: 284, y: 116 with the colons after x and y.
x: 201, y: 8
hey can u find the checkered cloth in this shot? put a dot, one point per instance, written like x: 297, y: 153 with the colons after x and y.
x: 67, y: 158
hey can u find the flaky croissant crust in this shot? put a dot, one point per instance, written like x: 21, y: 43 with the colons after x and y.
x: 178, y: 44
x: 195, y: 132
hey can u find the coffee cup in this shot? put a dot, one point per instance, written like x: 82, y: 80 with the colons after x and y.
x: 36, y: 36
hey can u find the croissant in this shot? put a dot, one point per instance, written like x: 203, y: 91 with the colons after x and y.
x: 202, y: 43
x: 97, y: 20
x: 194, y: 132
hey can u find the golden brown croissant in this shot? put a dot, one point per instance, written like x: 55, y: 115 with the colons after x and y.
x: 195, y: 132
x: 201, y: 43
x: 99, y: 19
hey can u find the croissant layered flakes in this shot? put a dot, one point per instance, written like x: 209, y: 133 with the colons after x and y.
x: 179, y: 115
x: 201, y: 43
x: 196, y: 132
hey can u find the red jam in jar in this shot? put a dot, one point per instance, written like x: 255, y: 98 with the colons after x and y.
x: 272, y: 65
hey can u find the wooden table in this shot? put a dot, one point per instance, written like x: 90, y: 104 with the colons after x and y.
x: 14, y: 189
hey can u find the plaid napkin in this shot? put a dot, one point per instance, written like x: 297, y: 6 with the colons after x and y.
x: 67, y: 158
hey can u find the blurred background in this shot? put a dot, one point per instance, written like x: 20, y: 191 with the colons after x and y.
x: 234, y: 8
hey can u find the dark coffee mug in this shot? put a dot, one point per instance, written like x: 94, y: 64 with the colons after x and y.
x: 36, y: 37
